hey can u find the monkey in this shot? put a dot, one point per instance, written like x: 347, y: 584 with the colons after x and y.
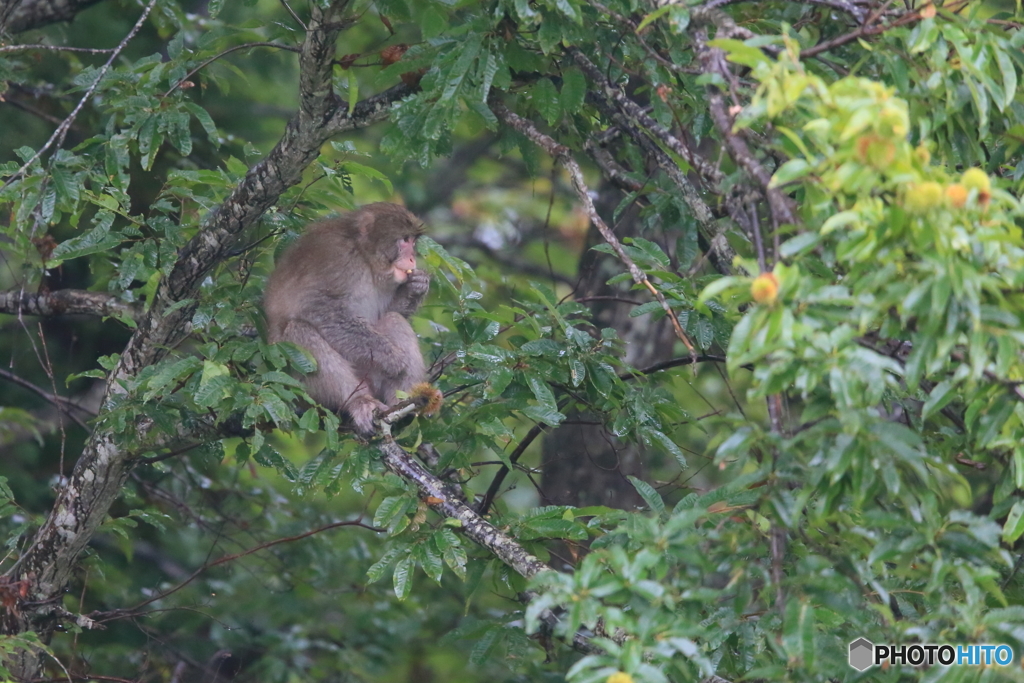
x: 343, y: 291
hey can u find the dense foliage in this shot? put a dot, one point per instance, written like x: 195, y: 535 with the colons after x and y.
x: 768, y: 256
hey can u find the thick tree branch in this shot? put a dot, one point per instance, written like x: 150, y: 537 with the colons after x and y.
x: 67, y: 302
x: 30, y: 14
x: 448, y: 502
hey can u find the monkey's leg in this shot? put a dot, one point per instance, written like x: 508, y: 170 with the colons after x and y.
x: 396, y: 328
x: 334, y: 384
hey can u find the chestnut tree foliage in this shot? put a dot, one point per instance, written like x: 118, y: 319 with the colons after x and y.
x: 811, y: 209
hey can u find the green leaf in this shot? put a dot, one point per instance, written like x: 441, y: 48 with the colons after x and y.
x: 430, y: 561
x: 299, y: 358
x: 544, y: 414
x: 652, y: 17
x: 452, y: 551
x: 545, y: 99
x: 647, y: 492
x: 794, y: 169
x: 205, y: 121
x: 941, y: 395
x: 798, y: 244
x: 739, y: 52
x: 574, y: 90
x: 1013, y: 527
x: 353, y: 91
x: 376, y: 571
x: 403, y: 577
x: 97, y: 240
x: 368, y: 172
x: 1009, y: 78
x: 662, y: 439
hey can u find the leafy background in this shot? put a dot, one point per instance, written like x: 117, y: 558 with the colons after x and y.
x: 843, y: 460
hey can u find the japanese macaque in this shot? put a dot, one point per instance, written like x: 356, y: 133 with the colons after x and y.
x: 343, y: 291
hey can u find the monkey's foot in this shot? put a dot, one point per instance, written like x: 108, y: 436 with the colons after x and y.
x: 362, y: 411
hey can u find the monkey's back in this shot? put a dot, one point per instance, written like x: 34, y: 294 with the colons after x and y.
x: 319, y: 273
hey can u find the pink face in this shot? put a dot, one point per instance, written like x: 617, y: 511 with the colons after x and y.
x: 406, y: 261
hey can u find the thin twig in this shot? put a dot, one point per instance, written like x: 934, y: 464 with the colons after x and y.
x: 224, y: 53
x: 499, y: 478
x: 294, y: 15
x: 869, y: 28
x: 120, y: 613
x: 62, y: 130
x: 56, y: 48
x: 561, y: 154
x: 63, y: 405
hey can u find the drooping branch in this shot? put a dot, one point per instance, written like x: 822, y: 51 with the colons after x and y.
x: 561, y: 154
x: 713, y: 62
x: 636, y: 115
x: 631, y: 120
x: 67, y: 302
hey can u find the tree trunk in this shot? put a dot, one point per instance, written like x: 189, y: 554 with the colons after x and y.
x: 584, y: 464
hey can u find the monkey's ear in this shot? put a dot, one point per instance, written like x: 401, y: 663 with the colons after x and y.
x: 427, y: 397
x: 364, y: 220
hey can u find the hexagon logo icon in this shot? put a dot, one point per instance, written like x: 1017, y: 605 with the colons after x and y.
x: 862, y: 654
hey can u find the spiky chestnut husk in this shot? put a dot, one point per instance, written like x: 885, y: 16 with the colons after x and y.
x: 765, y: 289
x: 976, y: 179
x: 921, y: 197
x: 957, y: 195
x: 427, y: 397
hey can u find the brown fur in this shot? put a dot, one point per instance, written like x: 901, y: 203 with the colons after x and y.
x: 334, y: 292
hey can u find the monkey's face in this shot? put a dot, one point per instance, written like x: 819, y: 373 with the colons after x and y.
x: 405, y: 262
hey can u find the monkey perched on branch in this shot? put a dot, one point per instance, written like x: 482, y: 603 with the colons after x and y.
x: 343, y: 291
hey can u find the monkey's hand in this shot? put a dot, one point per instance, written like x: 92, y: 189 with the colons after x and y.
x: 411, y: 293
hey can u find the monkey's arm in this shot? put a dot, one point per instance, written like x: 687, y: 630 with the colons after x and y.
x: 410, y: 294
x: 362, y: 345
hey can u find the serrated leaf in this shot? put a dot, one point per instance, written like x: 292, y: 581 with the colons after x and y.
x: 376, y: 571
x: 545, y: 99
x: 96, y: 240
x: 543, y: 414
x: 299, y: 358
x: 430, y: 561
x: 663, y: 440
x: 1013, y: 527
x: 452, y: 551
x: 647, y: 492
x: 574, y: 90
x: 541, y: 391
x: 403, y: 577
